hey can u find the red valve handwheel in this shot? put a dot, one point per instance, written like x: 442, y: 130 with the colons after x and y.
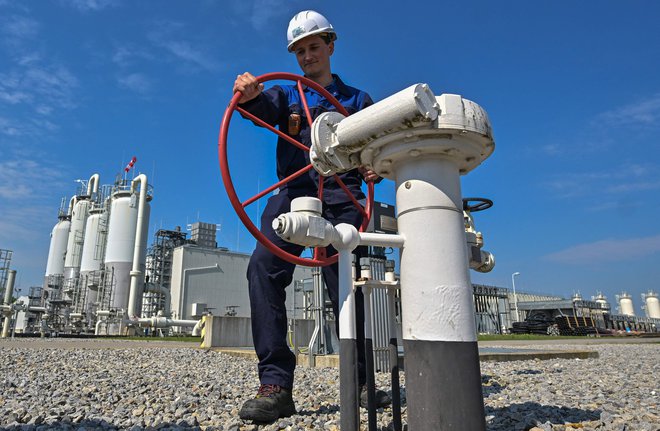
x: 319, y: 259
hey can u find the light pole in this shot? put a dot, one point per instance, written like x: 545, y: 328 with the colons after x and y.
x: 515, y: 298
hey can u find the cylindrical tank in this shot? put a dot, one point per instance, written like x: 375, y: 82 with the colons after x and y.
x: 652, y: 304
x: 120, y: 245
x: 58, y: 241
x: 576, y: 297
x: 601, y: 299
x: 92, y: 251
x: 625, y: 304
x: 76, y: 238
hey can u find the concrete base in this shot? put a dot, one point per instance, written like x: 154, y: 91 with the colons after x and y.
x: 485, y: 354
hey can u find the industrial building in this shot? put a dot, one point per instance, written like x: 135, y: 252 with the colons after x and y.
x: 214, y: 279
x: 101, y: 278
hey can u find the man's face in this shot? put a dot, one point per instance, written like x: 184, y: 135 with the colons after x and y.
x: 313, y: 55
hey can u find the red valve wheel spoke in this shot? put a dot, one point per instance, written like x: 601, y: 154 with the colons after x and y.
x: 350, y: 195
x: 282, y: 135
x: 320, y: 195
x: 303, y: 98
x: 320, y: 257
x: 277, y: 185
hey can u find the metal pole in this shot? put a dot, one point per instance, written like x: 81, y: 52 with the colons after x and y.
x: 9, y: 291
x: 438, y: 321
x: 394, y: 354
x: 348, y: 394
x: 515, y: 297
x: 369, y: 359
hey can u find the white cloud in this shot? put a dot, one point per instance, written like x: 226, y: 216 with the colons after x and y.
x: 22, y: 179
x: 625, y: 178
x: 91, y: 5
x: 643, y: 113
x: 609, y: 250
x: 136, y: 82
x: 17, y: 27
x: 127, y: 55
x: 265, y: 11
x: 43, y: 88
x: 172, y: 37
x: 185, y: 51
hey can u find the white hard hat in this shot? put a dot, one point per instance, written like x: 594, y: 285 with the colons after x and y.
x: 308, y: 23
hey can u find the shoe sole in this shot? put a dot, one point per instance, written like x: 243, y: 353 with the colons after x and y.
x: 259, y: 415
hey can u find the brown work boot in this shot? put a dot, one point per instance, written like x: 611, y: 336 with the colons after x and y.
x: 272, y: 402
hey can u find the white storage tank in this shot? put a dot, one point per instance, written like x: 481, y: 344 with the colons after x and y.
x: 601, y: 299
x: 626, y: 307
x: 120, y: 244
x: 57, y: 250
x: 76, y: 238
x: 94, y: 242
x: 652, y: 304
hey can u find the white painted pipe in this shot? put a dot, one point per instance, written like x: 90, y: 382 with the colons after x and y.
x: 72, y: 203
x: 93, y: 185
x: 165, y: 322
x: 343, y: 138
x: 381, y: 240
x: 137, y: 250
x: 184, y: 284
x: 429, y: 206
x: 9, y: 290
x: 438, y: 313
x: 96, y: 327
x: 346, y: 297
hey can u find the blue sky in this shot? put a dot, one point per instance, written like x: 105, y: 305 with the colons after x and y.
x: 571, y: 88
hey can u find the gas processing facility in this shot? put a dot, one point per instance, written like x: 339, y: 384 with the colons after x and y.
x: 101, y: 278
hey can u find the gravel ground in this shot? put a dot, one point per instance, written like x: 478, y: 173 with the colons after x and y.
x: 174, y: 387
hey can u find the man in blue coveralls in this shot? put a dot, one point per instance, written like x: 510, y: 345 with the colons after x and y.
x: 311, y: 37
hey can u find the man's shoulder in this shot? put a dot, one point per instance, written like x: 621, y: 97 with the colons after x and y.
x: 348, y: 88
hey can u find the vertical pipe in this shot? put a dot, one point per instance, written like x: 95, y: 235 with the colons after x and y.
x: 318, y: 285
x: 9, y: 291
x: 369, y: 359
x: 348, y: 394
x: 137, y: 249
x: 438, y: 320
x: 393, y: 347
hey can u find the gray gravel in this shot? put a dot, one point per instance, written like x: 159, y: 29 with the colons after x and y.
x: 119, y: 385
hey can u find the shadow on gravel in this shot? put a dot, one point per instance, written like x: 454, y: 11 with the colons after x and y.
x: 332, y: 408
x: 519, y: 372
x: 491, y: 385
x: 527, y: 415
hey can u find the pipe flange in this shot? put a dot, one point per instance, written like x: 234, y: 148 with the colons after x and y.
x: 324, y: 141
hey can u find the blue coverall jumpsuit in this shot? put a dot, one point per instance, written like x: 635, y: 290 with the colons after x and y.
x: 267, y: 274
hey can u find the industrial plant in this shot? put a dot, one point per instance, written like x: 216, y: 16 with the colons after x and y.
x: 101, y: 278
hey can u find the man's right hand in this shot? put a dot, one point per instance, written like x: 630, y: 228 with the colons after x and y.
x: 248, y: 85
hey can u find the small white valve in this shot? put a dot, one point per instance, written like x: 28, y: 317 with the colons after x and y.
x: 304, y: 224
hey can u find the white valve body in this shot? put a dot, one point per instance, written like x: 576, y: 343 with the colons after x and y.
x: 304, y: 224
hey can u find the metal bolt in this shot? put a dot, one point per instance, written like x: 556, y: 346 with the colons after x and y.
x: 408, y: 184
